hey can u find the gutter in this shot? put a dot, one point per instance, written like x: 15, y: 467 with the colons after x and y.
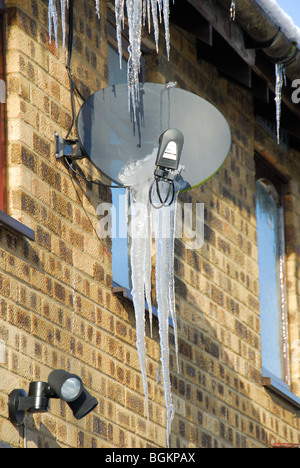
x: 265, y: 35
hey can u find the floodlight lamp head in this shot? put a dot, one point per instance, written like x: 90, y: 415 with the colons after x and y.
x: 61, y: 384
x: 66, y: 386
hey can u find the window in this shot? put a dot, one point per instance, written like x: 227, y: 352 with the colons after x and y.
x: 272, y: 277
x: 6, y: 220
x: 2, y: 107
x: 120, y: 258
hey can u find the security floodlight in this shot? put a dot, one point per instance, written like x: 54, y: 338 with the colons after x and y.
x: 61, y: 384
x: 167, y: 162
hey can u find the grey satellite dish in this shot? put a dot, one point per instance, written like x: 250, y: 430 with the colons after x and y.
x: 112, y: 139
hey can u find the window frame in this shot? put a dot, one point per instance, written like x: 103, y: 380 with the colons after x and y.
x: 6, y: 220
x: 265, y: 171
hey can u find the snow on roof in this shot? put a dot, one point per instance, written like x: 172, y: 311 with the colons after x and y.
x: 282, y: 19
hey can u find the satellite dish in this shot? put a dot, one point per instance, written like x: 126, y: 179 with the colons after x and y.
x: 112, y: 138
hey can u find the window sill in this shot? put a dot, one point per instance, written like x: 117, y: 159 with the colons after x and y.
x: 126, y: 294
x: 280, y: 388
x: 15, y: 226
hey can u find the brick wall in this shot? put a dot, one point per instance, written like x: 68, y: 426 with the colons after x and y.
x: 56, y: 305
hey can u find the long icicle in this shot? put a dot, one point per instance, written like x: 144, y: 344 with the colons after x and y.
x: 164, y: 258
x: 280, y: 78
x: 135, y: 20
x: 140, y: 213
x: 63, y: 7
x: 98, y: 8
x: 166, y: 11
x: 53, y: 21
x: 172, y: 302
x: 155, y: 21
x: 137, y: 11
x: 119, y: 13
x: 148, y: 264
x: 233, y: 10
x: 138, y: 176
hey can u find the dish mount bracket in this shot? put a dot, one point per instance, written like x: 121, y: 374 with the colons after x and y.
x: 70, y: 149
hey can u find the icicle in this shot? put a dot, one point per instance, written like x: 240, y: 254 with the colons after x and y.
x: 162, y: 221
x: 233, y: 10
x: 63, y: 7
x: 138, y: 262
x: 155, y: 22
x: 139, y: 175
x: 166, y: 10
x: 146, y: 13
x: 280, y: 79
x: 160, y: 7
x: 119, y: 13
x: 148, y: 263
x: 53, y: 21
x: 134, y: 15
x: 137, y: 11
x: 172, y: 282
x: 97, y: 8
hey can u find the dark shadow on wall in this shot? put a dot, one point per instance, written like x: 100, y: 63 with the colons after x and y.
x: 40, y: 435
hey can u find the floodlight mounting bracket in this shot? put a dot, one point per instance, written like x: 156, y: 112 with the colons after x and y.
x: 70, y: 149
x: 20, y: 404
x: 17, y: 416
